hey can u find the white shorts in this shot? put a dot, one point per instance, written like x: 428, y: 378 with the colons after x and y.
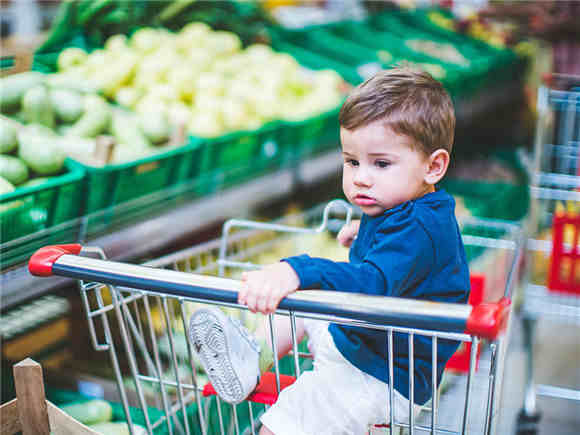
x: 333, y: 398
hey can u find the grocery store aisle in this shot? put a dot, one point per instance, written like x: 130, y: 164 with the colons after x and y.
x: 557, y: 356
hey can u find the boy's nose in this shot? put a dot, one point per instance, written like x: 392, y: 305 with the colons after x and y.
x: 362, y: 177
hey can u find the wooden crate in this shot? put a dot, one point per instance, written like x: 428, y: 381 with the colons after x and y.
x: 30, y: 413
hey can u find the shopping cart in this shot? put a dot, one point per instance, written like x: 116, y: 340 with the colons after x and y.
x: 139, y: 315
x: 552, y: 290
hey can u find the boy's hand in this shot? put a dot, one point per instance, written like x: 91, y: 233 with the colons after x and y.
x: 348, y: 233
x: 262, y: 290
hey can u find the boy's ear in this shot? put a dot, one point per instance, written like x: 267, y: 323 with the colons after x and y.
x: 437, y: 162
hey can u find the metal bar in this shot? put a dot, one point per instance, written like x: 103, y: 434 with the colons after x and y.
x: 558, y: 392
x: 391, y: 382
x: 193, y: 370
x: 491, y: 389
x: 411, y: 384
x: 472, y: 363
x: 375, y: 309
x: 130, y: 356
x: 115, y: 362
x: 434, y: 384
x: 274, y: 342
x: 294, y: 344
x: 175, y: 366
x: 158, y: 368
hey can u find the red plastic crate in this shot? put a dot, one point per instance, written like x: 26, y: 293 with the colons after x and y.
x: 564, y: 274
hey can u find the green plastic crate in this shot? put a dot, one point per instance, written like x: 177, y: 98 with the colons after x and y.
x: 494, y: 200
x: 40, y: 215
x: 313, y: 135
x: 239, y: 156
x: 109, y: 186
x: 31, y: 209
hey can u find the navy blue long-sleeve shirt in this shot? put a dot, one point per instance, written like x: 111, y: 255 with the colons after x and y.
x: 413, y: 250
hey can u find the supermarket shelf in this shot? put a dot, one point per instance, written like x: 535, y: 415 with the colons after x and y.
x: 17, y: 285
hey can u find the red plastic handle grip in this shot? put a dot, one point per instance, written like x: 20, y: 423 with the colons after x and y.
x: 41, y: 262
x: 488, y: 320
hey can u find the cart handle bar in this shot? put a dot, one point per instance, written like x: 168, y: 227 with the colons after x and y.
x: 487, y: 320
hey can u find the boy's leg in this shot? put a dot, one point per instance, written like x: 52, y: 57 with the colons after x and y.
x: 283, y: 333
x: 231, y: 357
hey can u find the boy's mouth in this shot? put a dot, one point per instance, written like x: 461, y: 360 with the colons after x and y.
x: 364, y: 200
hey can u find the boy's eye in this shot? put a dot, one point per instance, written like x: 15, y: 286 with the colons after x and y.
x: 382, y: 163
x: 352, y: 162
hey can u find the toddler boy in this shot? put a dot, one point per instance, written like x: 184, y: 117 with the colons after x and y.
x: 396, y: 132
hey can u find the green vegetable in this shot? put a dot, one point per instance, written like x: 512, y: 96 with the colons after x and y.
x: 125, y: 129
x: 91, y: 9
x: 174, y: 9
x: 155, y: 126
x: 13, y: 169
x: 68, y: 105
x: 37, y: 108
x: 91, y: 412
x: 71, y: 82
x: 15, y: 86
x: 95, y: 120
x: 5, y: 186
x: 60, y: 29
x: 40, y: 149
x: 117, y: 429
x: 8, y: 139
x: 71, y: 57
x: 78, y: 148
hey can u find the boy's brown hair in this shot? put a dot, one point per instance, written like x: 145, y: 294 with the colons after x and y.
x: 409, y: 101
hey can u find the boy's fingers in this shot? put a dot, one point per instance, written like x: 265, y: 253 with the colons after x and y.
x: 262, y: 305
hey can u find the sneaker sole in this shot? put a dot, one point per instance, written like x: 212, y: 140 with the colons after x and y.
x: 206, y: 330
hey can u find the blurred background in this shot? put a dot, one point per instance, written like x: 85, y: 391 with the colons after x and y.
x: 140, y: 127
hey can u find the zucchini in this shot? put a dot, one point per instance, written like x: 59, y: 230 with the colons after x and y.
x: 71, y: 82
x: 15, y: 86
x: 5, y: 186
x: 13, y: 169
x: 155, y: 126
x: 95, y: 120
x: 68, y: 105
x: 40, y: 149
x: 37, y: 108
x: 125, y: 129
x: 8, y: 139
x: 117, y: 429
x: 91, y: 412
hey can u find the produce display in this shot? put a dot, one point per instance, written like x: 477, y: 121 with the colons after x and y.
x: 26, y: 159
x: 49, y: 118
x: 97, y: 415
x: 201, y: 78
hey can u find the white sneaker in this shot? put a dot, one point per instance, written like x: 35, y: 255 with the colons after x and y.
x: 228, y: 353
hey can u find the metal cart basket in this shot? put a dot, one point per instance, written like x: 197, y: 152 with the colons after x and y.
x: 552, y: 290
x: 140, y: 313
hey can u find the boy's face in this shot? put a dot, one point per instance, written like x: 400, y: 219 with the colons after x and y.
x: 381, y: 169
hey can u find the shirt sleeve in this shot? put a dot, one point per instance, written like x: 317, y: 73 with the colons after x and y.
x: 400, y: 257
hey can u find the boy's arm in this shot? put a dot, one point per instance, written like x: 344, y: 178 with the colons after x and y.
x: 398, y: 259
x: 262, y: 290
